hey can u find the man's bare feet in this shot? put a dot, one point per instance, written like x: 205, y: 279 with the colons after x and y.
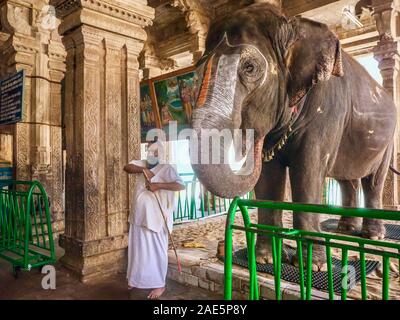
x: 156, y: 293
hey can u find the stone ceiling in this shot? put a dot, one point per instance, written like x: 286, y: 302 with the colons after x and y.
x: 169, y: 22
x: 331, y: 14
x: 177, y: 35
x: 171, y: 14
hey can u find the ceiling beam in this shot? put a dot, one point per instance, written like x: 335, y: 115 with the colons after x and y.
x: 157, y: 3
x: 295, y: 7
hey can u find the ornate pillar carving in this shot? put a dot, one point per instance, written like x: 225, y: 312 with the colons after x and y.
x: 387, y: 54
x: 31, y: 42
x: 198, y: 21
x: 103, y: 40
x: 151, y: 64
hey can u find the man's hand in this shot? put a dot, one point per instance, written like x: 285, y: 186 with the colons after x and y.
x: 148, y: 174
x: 153, y: 187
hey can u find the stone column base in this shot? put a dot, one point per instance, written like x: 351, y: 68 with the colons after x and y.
x: 91, y: 260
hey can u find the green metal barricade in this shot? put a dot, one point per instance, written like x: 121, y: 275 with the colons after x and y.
x: 195, y: 202
x: 26, y: 239
x: 385, y: 250
x: 185, y: 209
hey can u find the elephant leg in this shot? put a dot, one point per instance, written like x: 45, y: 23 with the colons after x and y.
x: 307, y: 185
x: 373, y: 228
x: 373, y: 190
x: 349, y: 189
x: 270, y: 186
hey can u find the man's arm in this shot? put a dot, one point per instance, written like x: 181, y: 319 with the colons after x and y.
x: 134, y: 169
x: 170, y: 186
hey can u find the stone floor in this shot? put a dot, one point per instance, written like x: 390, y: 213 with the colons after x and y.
x: 28, y: 286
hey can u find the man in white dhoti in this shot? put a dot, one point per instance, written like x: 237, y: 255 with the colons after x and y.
x: 148, y: 233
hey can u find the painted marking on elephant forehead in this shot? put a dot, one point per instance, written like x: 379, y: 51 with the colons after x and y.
x: 250, y: 46
x: 205, y: 85
x: 225, y: 84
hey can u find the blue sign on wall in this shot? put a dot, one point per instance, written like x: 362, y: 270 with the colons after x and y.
x: 12, y: 98
x: 6, y: 173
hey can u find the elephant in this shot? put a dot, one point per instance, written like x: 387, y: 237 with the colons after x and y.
x: 314, y: 110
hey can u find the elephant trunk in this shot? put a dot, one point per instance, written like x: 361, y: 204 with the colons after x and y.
x: 218, y: 176
x: 217, y: 114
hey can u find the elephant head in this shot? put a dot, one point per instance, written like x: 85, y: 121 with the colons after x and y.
x: 257, y: 66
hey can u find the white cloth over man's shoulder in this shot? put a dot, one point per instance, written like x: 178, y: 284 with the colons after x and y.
x: 145, y: 211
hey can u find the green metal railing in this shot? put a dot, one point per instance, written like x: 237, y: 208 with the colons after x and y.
x: 383, y: 249
x: 26, y: 239
x: 195, y: 202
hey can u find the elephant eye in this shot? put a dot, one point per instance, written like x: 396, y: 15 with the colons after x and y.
x: 251, y: 70
x: 249, y: 67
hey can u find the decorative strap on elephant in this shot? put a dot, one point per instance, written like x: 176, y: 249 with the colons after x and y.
x: 268, y: 155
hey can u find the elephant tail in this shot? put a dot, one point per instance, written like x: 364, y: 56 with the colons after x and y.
x: 394, y: 170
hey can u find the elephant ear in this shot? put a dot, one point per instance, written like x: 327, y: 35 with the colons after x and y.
x: 313, y: 56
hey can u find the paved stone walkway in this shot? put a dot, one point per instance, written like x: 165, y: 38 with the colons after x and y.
x: 28, y: 286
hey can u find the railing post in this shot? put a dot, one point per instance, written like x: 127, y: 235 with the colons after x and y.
x: 345, y: 272
x: 330, y: 272
x: 363, y: 273
x: 48, y: 221
x: 251, y: 255
x: 299, y: 243
x: 309, y: 270
x: 228, y: 251
x: 385, y: 278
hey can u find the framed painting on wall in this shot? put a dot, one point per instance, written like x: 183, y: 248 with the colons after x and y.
x: 169, y: 102
x: 148, y: 113
x: 170, y: 97
x: 188, y: 87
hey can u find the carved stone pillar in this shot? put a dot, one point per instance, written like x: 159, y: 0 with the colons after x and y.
x: 152, y: 65
x: 103, y: 40
x: 198, y: 21
x: 387, y: 54
x: 31, y: 42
